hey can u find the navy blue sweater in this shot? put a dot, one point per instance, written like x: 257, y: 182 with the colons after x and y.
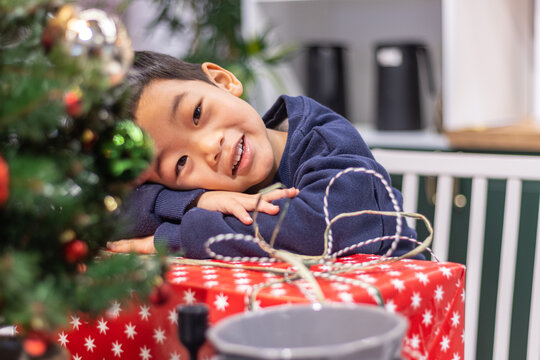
x: 320, y: 143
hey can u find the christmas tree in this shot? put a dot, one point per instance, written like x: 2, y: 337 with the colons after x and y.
x: 67, y: 153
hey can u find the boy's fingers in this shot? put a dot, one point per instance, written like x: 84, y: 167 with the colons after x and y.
x: 141, y: 245
x: 120, y: 246
x: 280, y: 194
x: 268, y: 208
x: 241, y: 214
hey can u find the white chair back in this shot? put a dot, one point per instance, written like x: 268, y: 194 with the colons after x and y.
x: 446, y: 166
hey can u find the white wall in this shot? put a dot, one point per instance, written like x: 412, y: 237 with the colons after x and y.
x: 487, y: 62
x: 136, y: 19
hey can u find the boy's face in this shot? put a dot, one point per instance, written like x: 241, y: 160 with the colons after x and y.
x: 205, y: 136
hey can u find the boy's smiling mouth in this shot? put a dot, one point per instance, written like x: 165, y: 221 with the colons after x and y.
x: 237, y: 155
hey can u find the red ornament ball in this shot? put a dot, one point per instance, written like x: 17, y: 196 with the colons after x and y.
x: 75, y: 251
x: 161, y: 294
x: 73, y: 103
x: 34, y: 345
x: 4, y: 181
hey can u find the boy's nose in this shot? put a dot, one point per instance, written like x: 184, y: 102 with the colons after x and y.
x: 211, y: 147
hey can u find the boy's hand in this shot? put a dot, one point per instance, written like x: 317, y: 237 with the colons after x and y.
x: 144, y: 245
x: 238, y: 204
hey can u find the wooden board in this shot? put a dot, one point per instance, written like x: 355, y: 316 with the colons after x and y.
x: 523, y: 137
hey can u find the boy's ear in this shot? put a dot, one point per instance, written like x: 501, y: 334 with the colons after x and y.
x: 223, y: 78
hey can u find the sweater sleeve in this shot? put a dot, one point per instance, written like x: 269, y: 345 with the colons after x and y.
x: 155, y: 209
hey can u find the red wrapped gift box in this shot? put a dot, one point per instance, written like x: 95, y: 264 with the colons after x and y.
x: 430, y: 294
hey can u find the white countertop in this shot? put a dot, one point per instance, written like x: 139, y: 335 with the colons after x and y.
x: 411, y: 139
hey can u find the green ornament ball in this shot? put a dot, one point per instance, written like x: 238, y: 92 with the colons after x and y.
x: 126, y: 151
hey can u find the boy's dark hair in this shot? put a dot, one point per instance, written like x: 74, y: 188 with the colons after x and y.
x: 149, y: 66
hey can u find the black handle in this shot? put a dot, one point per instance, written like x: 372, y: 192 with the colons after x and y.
x: 192, y: 325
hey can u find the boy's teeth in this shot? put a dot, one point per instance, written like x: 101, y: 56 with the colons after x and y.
x: 238, y: 153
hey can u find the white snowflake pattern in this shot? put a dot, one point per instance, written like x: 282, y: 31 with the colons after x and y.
x: 210, y: 277
x: 256, y: 304
x: 390, y: 306
x: 173, y: 316
x: 144, y: 312
x: 178, y: 273
x: 439, y: 292
x: 445, y: 343
x: 456, y: 357
x: 211, y: 284
x: 208, y: 270
x: 340, y: 286
x: 415, y: 300
x: 174, y: 356
x: 189, y: 296
x: 394, y: 273
x: 463, y: 295
x: 242, y: 281
x: 446, y: 272
x: 423, y: 278
x: 325, y: 268
x: 240, y: 274
x: 278, y: 292
x: 117, y: 349
x: 89, y: 344
x: 399, y: 285
x: 414, y: 266
x: 178, y: 279
x: 77, y: 357
x: 145, y: 353
x: 384, y: 266
x: 427, y: 317
x: 130, y: 331
x: 346, y: 297
x: 366, y: 278
x: 447, y: 307
x: 62, y: 339
x: 159, y: 335
x: 414, y: 341
x: 221, y: 302
x: 244, y: 288
x: 115, y: 309
x: 455, y: 319
x: 102, y: 326
x: 75, y: 322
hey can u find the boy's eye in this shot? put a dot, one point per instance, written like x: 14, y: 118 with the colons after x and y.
x: 180, y: 164
x: 197, y: 114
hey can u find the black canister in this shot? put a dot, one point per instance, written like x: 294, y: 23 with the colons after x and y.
x: 326, y: 76
x: 399, y: 93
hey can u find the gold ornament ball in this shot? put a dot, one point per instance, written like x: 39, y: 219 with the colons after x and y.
x: 93, y: 34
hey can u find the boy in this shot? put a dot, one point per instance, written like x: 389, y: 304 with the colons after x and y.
x: 214, y: 152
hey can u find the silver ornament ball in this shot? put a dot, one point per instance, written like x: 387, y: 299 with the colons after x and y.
x: 95, y: 34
